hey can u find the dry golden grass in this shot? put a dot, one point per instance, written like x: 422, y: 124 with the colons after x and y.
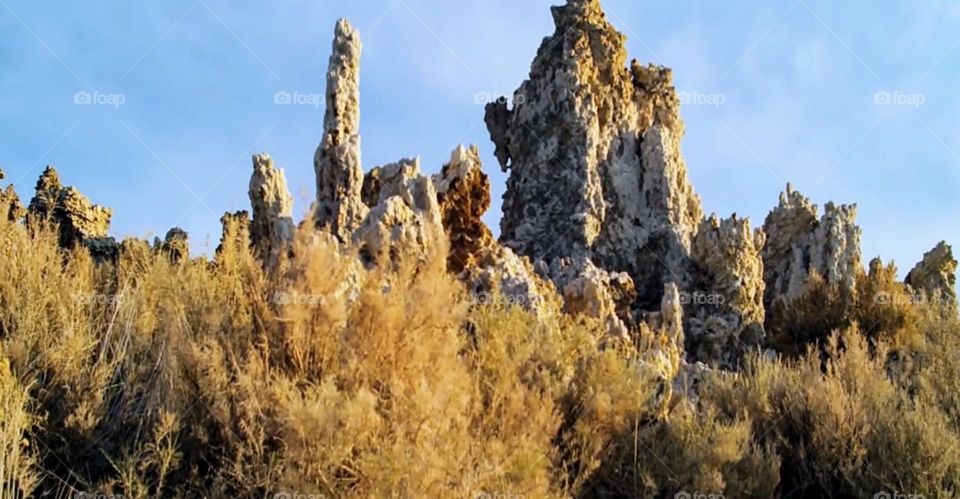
x: 154, y: 378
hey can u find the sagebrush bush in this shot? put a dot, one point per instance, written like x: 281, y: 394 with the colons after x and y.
x: 154, y: 377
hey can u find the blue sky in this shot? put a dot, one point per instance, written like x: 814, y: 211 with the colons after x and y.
x: 851, y: 101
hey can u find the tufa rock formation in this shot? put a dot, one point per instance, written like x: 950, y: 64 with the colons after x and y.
x: 406, y: 216
x: 272, y: 227
x: 592, y: 147
x: 725, y: 309
x: 798, y: 243
x: 337, y: 163
x: 78, y: 220
x: 463, y: 191
x: 599, y: 219
x: 10, y: 207
x: 936, y: 275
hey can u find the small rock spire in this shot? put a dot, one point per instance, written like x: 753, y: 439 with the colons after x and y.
x: 272, y: 226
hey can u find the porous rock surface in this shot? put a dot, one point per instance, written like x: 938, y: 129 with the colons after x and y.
x: 337, y: 165
x: 272, y: 227
x: 406, y: 217
x: 463, y: 191
x: 799, y: 243
x: 936, y: 274
x: 78, y: 220
x: 592, y: 147
x: 725, y: 309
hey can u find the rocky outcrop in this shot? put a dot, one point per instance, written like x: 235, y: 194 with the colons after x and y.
x: 10, y: 207
x: 589, y: 290
x: 799, y: 243
x: 463, y: 191
x: 176, y: 245
x: 272, y: 227
x: 339, y: 207
x: 498, y: 271
x: 592, y: 147
x: 235, y: 232
x: 936, y: 274
x: 77, y: 219
x: 406, y: 218
x: 725, y: 312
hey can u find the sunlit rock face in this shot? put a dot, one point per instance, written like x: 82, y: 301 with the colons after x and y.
x: 78, y: 220
x: 725, y: 312
x: 337, y: 165
x: 272, y: 227
x: 799, y: 242
x: 593, y: 150
x: 936, y: 275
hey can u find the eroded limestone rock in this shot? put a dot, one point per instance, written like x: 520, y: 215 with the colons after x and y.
x: 340, y: 207
x: 725, y: 309
x: 406, y: 218
x: 936, y: 274
x: 10, y: 207
x: 799, y: 243
x: 272, y: 227
x: 78, y: 220
x: 499, y: 269
x: 593, y: 150
x: 589, y: 290
x: 463, y: 191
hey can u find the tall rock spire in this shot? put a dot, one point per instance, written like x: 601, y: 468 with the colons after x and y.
x: 592, y: 146
x: 337, y: 161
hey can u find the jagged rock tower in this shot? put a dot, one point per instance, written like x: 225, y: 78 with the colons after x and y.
x: 593, y: 150
x: 337, y: 160
x: 799, y: 243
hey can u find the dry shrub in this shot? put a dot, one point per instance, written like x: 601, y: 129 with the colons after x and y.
x: 18, y: 474
x: 842, y: 428
x: 148, y: 377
